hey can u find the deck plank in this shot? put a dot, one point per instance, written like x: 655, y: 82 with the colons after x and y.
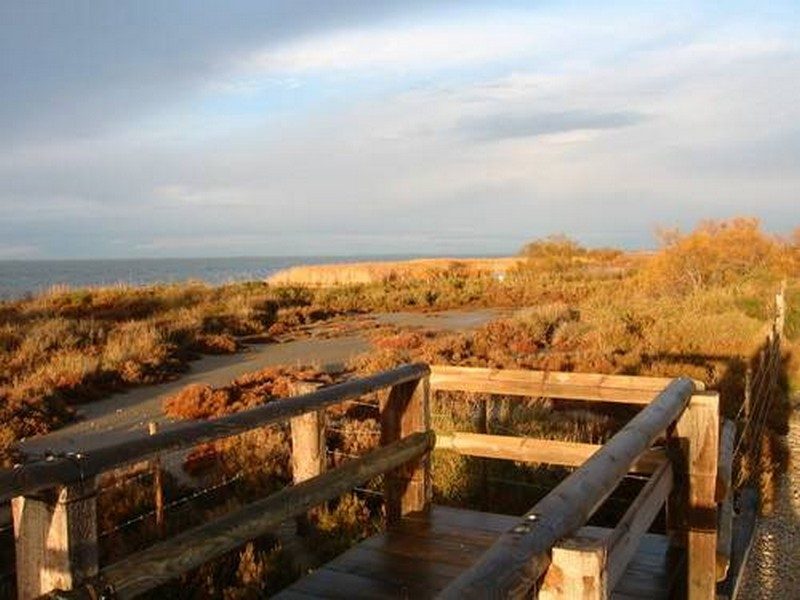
x: 423, y: 553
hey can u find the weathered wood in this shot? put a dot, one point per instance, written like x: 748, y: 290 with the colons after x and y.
x: 724, y: 496
x: 309, y: 457
x: 748, y: 393
x: 744, y: 525
x: 533, y: 450
x: 577, y: 571
x: 405, y: 410
x: 166, y: 560
x: 692, y: 509
x: 425, y: 551
x: 586, y: 565
x: 56, y: 539
x: 61, y: 470
x: 158, y: 485
x: 780, y: 310
x: 481, y: 424
x: 514, y: 564
x: 416, y: 558
x: 625, y: 538
x: 549, y: 384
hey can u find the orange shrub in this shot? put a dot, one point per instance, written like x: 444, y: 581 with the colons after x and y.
x: 715, y: 253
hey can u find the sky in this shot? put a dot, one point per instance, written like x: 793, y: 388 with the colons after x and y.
x: 306, y: 127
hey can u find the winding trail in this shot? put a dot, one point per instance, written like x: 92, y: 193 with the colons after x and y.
x: 773, y: 567
x: 125, y: 415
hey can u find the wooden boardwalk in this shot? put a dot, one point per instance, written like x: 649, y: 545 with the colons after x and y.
x: 427, y: 551
x: 421, y: 555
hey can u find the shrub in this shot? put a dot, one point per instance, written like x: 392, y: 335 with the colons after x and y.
x: 715, y: 253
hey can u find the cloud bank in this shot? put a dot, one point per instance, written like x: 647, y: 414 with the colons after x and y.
x: 311, y: 127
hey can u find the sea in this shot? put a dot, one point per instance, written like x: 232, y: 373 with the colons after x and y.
x: 20, y: 278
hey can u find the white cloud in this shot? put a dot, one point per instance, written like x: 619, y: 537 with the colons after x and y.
x: 382, y: 170
x: 426, y: 46
x: 471, y: 40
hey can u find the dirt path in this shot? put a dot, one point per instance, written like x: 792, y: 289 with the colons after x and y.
x: 773, y: 568
x: 126, y: 415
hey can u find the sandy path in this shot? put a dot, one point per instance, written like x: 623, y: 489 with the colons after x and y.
x: 773, y: 567
x: 127, y: 414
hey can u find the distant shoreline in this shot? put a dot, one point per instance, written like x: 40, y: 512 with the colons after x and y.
x: 20, y: 278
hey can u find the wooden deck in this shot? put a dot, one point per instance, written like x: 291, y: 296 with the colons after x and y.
x: 423, y: 553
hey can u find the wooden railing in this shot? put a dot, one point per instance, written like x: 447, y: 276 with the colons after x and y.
x: 541, y: 556
x: 54, y: 501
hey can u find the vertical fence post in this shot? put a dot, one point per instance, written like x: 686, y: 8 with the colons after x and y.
x: 748, y: 392
x: 578, y: 570
x: 482, y: 426
x: 56, y: 538
x: 158, y: 485
x: 309, y: 457
x: 692, y: 508
x: 780, y: 310
x: 405, y: 410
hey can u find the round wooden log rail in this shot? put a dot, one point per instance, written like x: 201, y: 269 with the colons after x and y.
x: 58, y: 470
x: 512, y: 567
x: 171, y: 558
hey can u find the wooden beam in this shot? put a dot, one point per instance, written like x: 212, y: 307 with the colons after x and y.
x: 549, y: 384
x: 56, y: 539
x: 577, y: 571
x: 724, y: 495
x: 405, y: 410
x: 532, y: 450
x: 35, y: 476
x: 158, y: 486
x: 692, y: 509
x: 513, y: 566
x: 591, y: 562
x: 188, y: 550
x: 625, y: 538
x: 309, y: 457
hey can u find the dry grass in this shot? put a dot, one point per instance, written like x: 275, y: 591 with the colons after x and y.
x: 70, y: 346
x: 695, y: 308
x: 397, y: 271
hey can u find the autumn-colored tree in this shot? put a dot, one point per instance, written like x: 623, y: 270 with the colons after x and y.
x: 715, y: 253
x: 555, y: 252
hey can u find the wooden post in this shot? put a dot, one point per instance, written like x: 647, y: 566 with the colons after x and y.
x: 780, y: 310
x: 692, y: 508
x: 727, y: 442
x: 748, y: 392
x: 405, y: 410
x: 577, y: 571
x: 158, y: 485
x: 481, y: 422
x: 56, y: 539
x: 309, y: 457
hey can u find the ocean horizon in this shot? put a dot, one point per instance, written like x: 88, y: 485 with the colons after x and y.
x: 19, y: 278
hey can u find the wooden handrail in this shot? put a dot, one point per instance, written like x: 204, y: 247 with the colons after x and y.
x: 514, y: 564
x: 590, y: 563
x: 624, y: 389
x: 625, y: 537
x: 533, y: 450
x: 171, y: 558
x: 35, y: 476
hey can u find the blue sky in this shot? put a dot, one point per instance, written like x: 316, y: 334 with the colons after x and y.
x: 306, y: 127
